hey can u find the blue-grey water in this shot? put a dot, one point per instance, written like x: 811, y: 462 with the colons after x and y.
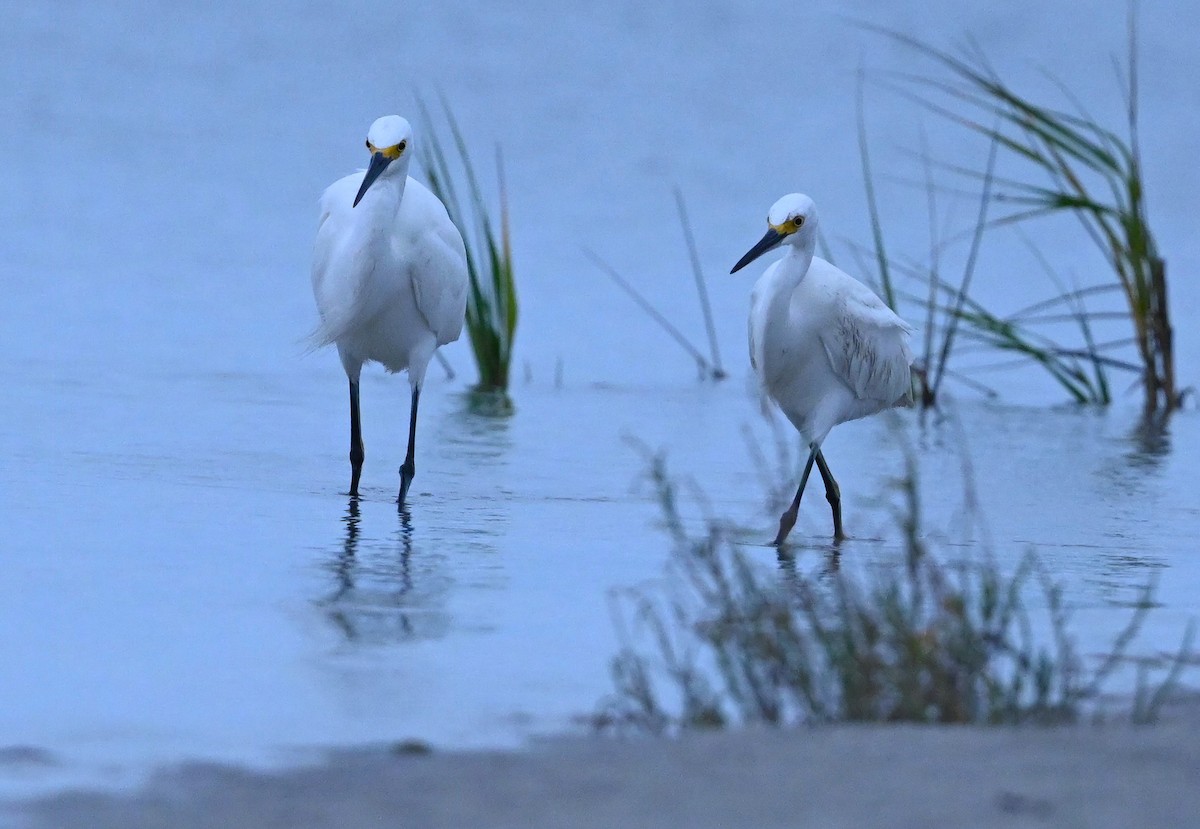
x: 183, y: 575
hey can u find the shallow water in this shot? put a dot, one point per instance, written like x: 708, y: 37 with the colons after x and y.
x: 209, y: 591
x: 182, y: 575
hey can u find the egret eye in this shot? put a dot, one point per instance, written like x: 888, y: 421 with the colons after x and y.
x: 402, y: 146
x: 799, y: 220
x: 368, y: 143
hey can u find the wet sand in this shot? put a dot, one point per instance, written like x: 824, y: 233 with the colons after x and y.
x: 858, y: 777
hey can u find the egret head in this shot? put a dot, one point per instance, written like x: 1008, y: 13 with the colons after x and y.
x: 388, y: 140
x: 791, y: 221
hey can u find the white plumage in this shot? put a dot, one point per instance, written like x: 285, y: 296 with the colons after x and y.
x: 824, y: 346
x: 389, y: 276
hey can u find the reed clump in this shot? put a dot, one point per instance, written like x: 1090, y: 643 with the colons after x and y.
x: 492, y: 307
x: 1080, y: 168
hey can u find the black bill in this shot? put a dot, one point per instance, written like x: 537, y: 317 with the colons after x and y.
x: 766, y: 243
x: 379, y: 163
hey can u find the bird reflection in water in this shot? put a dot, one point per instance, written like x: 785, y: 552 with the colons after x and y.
x: 790, y: 574
x: 375, y: 599
x: 391, y: 570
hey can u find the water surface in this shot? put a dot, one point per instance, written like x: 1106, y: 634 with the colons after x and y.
x: 183, y: 573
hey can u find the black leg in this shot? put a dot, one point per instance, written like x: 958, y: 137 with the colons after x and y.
x: 788, y: 519
x: 357, y: 453
x: 409, y: 469
x: 833, y: 494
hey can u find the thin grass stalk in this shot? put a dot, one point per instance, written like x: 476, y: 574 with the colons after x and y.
x: 1080, y: 316
x: 509, y: 293
x: 968, y: 272
x: 706, y: 369
x: 718, y: 373
x: 927, y: 395
x: 1011, y: 333
x: 1066, y: 297
x: 1148, y: 711
x: 881, y: 258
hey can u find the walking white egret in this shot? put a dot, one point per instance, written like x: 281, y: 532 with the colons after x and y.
x: 389, y: 275
x: 823, y: 345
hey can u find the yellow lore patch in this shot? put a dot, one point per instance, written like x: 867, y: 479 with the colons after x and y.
x: 788, y: 227
x: 390, y: 153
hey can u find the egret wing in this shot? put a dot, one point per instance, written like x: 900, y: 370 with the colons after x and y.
x: 867, y: 345
x: 439, y: 259
x: 340, y: 274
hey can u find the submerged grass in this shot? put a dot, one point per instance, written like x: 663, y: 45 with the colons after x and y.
x: 492, y: 308
x: 1085, y: 170
x: 727, y: 643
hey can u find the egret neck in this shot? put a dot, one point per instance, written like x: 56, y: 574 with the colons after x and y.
x: 380, y: 205
x: 786, y: 278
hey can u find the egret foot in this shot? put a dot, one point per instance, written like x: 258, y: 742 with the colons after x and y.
x: 788, y: 519
x: 833, y: 494
x: 834, y: 497
x: 356, y: 464
x: 786, y: 522
x: 408, y: 471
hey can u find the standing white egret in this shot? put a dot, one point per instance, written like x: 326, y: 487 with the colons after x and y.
x: 389, y: 275
x: 824, y: 346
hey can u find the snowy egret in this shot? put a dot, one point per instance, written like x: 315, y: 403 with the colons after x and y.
x: 823, y: 345
x: 389, y: 275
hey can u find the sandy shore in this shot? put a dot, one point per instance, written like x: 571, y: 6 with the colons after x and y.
x: 858, y: 777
